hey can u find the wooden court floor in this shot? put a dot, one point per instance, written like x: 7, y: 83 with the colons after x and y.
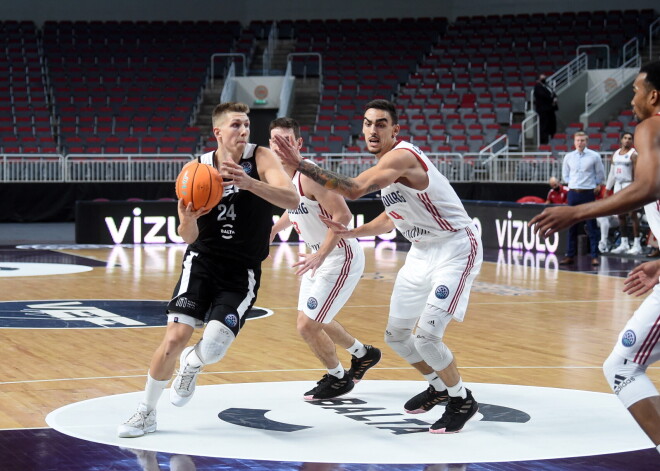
x: 526, y: 325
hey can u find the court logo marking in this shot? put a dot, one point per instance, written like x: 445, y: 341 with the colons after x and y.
x: 91, y: 314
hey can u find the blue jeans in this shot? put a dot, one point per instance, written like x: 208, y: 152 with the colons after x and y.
x: 575, y: 198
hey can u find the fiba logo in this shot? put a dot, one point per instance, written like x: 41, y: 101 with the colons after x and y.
x: 247, y: 166
x: 441, y: 292
x: 628, y: 339
x: 312, y: 303
x: 231, y: 320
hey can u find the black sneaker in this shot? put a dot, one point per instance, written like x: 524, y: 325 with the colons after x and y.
x: 359, y: 366
x: 330, y: 387
x: 456, y: 414
x: 424, y: 401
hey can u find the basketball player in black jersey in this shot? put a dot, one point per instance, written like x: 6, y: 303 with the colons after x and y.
x: 222, y: 265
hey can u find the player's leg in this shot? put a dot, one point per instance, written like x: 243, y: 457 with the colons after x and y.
x: 185, y: 312
x: 320, y: 299
x: 234, y: 292
x: 408, y: 299
x: 625, y: 369
x: 604, y: 225
x: 624, y: 246
x: 636, y: 248
x: 456, y: 264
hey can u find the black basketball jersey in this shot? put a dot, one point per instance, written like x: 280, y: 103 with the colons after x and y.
x: 238, y: 229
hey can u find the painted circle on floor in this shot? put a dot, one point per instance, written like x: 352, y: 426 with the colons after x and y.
x: 91, y: 313
x: 13, y: 269
x: 271, y: 421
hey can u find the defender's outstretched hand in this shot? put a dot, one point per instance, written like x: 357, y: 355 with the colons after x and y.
x: 553, y: 220
x: 642, y: 278
x: 337, y: 227
x: 286, y: 151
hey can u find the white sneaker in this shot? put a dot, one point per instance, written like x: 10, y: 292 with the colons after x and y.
x: 183, y: 386
x: 140, y: 423
x: 602, y: 246
x: 621, y: 248
x: 635, y: 250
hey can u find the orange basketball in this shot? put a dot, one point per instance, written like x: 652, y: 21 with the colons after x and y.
x: 200, y: 184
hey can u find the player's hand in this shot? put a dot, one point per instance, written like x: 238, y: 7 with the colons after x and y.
x: 553, y: 220
x: 235, y: 175
x: 642, y: 278
x: 286, y: 151
x: 337, y: 227
x: 187, y: 211
x: 308, y: 261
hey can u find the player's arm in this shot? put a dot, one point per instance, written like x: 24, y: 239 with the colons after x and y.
x: 389, y: 168
x: 333, y: 204
x: 188, y: 229
x: 644, y: 189
x: 341, y: 215
x: 282, y: 223
x: 275, y: 185
x: 610, y: 179
x: 379, y: 225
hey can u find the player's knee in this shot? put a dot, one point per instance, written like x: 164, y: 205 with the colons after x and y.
x: 307, y: 327
x: 628, y: 379
x: 176, y: 339
x: 433, y: 351
x: 215, y: 342
x: 401, y: 341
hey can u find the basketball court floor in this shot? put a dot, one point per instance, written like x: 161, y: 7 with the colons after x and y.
x: 79, y: 324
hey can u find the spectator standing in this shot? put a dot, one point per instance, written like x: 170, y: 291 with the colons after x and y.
x: 584, y: 173
x: 545, y: 104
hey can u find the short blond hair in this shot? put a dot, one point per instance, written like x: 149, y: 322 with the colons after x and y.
x: 229, y: 107
x: 580, y: 134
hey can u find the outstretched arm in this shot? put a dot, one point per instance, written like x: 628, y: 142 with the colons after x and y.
x: 644, y: 189
x: 388, y: 169
x: 379, y: 225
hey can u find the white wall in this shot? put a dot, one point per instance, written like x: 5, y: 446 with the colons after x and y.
x: 246, y: 10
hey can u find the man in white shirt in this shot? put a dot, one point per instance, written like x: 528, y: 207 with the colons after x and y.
x: 584, y: 174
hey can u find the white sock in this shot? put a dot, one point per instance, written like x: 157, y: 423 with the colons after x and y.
x: 192, y: 359
x: 637, y: 242
x: 337, y: 371
x: 457, y: 390
x: 435, y: 381
x: 357, y: 349
x: 152, y: 392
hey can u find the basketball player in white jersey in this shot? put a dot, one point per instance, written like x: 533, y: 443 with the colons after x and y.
x: 620, y: 176
x: 221, y: 269
x: 433, y: 286
x: 329, y: 274
x: 638, y: 345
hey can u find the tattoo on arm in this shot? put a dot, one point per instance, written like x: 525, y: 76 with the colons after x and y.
x: 329, y: 179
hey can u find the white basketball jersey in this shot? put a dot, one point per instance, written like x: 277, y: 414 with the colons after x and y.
x: 306, y: 219
x: 623, y: 166
x: 652, y: 211
x: 424, y: 215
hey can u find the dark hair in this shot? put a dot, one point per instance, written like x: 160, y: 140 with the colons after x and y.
x: 385, y: 105
x: 626, y: 133
x: 286, y: 123
x: 652, y: 71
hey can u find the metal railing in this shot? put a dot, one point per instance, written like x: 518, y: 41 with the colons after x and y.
x: 602, y: 91
x: 506, y: 167
x: 530, y: 127
x: 269, y: 52
x: 286, y: 93
x: 237, y: 55
x: 316, y: 55
x: 654, y: 29
x: 123, y: 167
x: 565, y: 76
x: 592, y: 46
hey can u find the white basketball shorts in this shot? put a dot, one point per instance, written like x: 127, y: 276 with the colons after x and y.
x: 323, y: 295
x: 639, y: 339
x: 439, y: 273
